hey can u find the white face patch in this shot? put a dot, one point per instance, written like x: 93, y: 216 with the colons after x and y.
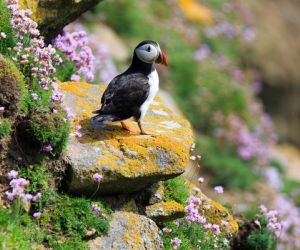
x: 147, y: 53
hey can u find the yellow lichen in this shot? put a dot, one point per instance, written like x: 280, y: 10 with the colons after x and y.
x: 38, y: 12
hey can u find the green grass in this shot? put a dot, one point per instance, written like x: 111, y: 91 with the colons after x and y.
x: 5, y: 128
x: 5, y: 25
x: 50, y: 128
x: 64, y: 223
x: 193, y: 236
x: 177, y: 190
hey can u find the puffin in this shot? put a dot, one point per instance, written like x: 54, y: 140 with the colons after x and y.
x: 129, y: 94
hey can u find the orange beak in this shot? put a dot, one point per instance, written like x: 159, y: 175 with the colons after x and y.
x: 162, y: 59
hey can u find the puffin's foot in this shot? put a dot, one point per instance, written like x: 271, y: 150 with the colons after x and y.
x: 128, y: 128
x: 143, y: 131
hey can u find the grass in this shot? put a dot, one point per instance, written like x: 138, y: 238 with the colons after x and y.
x: 49, y: 128
x: 5, y: 25
x: 5, y: 128
x: 177, y: 190
x: 65, y: 220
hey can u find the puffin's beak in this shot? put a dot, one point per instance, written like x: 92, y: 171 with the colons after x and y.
x: 162, y: 59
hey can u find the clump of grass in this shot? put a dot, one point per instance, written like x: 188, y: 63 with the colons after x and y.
x: 225, y: 167
x: 5, y: 24
x: 5, y: 128
x: 176, y: 189
x: 193, y: 236
x: 255, y: 237
x: 49, y: 128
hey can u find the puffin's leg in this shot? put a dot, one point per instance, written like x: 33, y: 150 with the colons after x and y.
x: 128, y: 128
x: 143, y: 131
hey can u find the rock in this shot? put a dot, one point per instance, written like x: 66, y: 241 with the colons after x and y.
x: 165, y: 211
x: 129, y: 162
x: 129, y: 231
x: 156, y: 193
x: 53, y: 15
x: 215, y: 212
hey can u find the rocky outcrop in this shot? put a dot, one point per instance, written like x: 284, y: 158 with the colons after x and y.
x: 129, y: 231
x: 165, y: 211
x: 128, y: 162
x: 53, y: 15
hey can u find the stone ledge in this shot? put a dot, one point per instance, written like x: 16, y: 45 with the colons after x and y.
x: 129, y: 162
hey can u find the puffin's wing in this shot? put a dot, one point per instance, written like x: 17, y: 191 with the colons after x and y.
x: 126, y: 95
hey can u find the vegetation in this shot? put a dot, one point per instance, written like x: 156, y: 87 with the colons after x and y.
x: 5, y: 128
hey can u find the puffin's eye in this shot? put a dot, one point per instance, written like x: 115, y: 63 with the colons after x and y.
x: 149, y: 49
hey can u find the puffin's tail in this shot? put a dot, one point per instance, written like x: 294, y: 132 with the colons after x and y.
x: 104, y: 117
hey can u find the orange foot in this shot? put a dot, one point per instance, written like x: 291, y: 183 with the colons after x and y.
x: 143, y: 131
x: 128, y: 128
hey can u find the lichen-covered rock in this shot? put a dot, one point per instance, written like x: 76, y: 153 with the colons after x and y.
x: 53, y: 15
x: 129, y: 162
x: 156, y: 191
x: 129, y: 231
x: 165, y: 211
x: 215, y: 213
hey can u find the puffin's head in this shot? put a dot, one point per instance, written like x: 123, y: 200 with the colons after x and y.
x: 149, y: 52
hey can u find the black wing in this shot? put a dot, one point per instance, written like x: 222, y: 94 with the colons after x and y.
x: 124, y: 95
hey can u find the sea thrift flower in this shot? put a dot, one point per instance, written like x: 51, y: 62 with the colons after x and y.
x: 200, y: 179
x: 176, y: 242
x: 96, y: 209
x: 2, y: 35
x: 202, y: 53
x: 2, y: 109
x: 75, y: 78
x: 97, y: 177
x: 216, y: 229
x: 224, y: 223
x: 12, y: 174
x: 193, y: 158
x: 47, y: 148
x: 208, y: 227
x: 37, y: 196
x: 37, y: 215
x: 219, y: 189
x: 34, y: 96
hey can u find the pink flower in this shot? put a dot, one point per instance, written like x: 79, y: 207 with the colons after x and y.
x: 216, y: 229
x: 37, y: 215
x: 34, y: 96
x: 219, y: 189
x: 200, y: 179
x: 2, y: 35
x: 47, y: 148
x: 263, y: 209
x: 10, y: 195
x: 97, y: 177
x: 12, y: 174
x: 176, y: 242
x: 224, y: 223
x: 75, y: 78
x: 208, y: 226
x: 96, y: 209
x: 37, y: 196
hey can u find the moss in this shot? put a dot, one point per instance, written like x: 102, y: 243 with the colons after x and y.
x: 49, y: 128
x: 5, y: 128
x: 13, y: 94
x: 176, y: 189
x: 5, y: 24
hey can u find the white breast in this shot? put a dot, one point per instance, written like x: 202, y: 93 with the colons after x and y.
x: 154, y: 85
